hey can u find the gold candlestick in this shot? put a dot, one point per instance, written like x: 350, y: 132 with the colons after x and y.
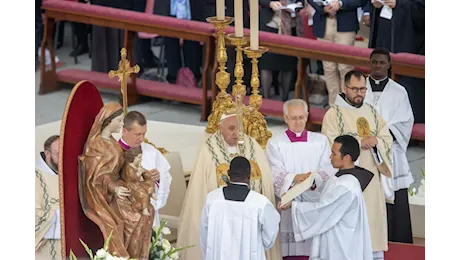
x: 256, y: 124
x: 239, y: 89
x: 223, y: 100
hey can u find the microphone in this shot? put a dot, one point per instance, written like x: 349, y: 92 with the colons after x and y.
x: 225, y: 179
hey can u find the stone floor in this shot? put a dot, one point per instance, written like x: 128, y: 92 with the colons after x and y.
x: 49, y: 107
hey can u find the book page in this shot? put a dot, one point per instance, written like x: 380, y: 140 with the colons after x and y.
x: 297, y: 190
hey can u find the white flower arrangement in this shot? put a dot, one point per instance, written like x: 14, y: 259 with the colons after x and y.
x: 160, y: 248
x: 101, y: 254
x: 421, y: 188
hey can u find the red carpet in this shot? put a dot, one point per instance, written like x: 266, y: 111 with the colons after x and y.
x: 396, y: 251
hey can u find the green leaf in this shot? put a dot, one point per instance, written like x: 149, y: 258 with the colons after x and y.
x: 90, y: 253
x: 106, y: 244
x: 411, y: 193
x: 72, y: 255
x: 423, y: 172
x: 181, y: 248
x: 158, y: 234
x: 174, y: 250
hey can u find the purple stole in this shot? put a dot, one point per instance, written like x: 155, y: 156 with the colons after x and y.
x: 293, y: 137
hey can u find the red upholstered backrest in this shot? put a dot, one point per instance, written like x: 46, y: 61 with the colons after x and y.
x: 82, y: 106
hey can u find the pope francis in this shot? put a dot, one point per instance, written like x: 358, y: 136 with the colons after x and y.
x: 210, y: 173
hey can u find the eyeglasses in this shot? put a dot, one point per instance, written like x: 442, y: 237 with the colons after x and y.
x: 295, y: 118
x: 355, y: 90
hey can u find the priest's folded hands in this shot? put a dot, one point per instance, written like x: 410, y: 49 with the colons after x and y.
x: 369, y: 142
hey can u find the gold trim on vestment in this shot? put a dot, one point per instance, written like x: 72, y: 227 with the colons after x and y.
x: 222, y: 169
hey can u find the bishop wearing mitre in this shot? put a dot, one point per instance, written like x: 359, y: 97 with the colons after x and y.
x: 210, y: 173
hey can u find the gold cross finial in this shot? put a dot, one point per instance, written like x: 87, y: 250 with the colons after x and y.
x: 123, y: 73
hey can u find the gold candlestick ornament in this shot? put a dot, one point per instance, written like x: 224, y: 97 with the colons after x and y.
x: 256, y: 125
x: 223, y: 100
x: 239, y: 89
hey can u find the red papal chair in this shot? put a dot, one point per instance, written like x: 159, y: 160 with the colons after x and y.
x: 82, y: 106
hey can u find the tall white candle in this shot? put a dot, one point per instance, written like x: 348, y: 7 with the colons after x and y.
x: 238, y: 18
x: 220, y: 9
x: 254, y: 10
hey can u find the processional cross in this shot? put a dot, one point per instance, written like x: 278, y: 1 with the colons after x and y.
x: 123, y: 73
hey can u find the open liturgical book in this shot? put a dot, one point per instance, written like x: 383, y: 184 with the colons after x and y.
x: 297, y: 190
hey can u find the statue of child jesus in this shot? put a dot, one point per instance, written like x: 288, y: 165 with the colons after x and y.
x: 140, y: 183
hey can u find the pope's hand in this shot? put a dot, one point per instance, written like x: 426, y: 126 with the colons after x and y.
x: 122, y: 192
x: 155, y: 175
x: 285, y: 207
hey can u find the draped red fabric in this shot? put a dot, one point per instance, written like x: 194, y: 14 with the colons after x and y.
x: 83, y: 104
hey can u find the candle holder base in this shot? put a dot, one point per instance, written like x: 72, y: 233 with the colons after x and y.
x: 220, y: 24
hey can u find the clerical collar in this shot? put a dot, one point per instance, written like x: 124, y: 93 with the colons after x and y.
x: 297, y: 137
x: 123, y: 144
x: 42, y: 154
x: 240, y: 183
x: 378, y: 85
x: 342, y: 95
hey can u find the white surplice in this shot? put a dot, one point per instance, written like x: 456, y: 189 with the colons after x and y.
x: 287, y: 159
x: 153, y: 159
x: 237, y: 230
x: 394, y: 106
x: 337, y: 223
